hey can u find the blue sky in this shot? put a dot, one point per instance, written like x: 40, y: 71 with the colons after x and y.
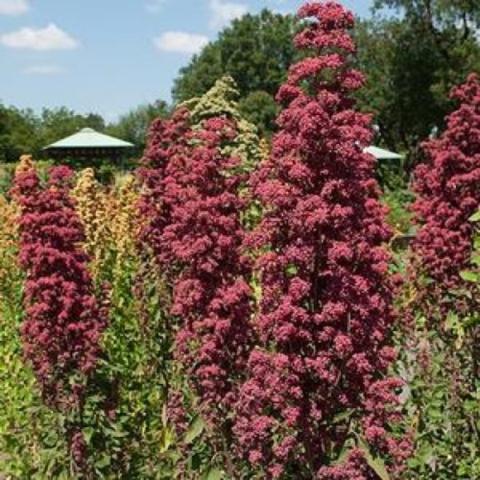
x: 108, y: 56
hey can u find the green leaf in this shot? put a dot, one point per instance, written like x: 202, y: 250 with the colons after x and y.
x: 103, y: 462
x: 196, y: 429
x: 475, y: 217
x: 88, y: 433
x: 214, y: 474
x: 291, y: 270
x: 469, y: 276
x: 452, y: 321
x: 375, y: 463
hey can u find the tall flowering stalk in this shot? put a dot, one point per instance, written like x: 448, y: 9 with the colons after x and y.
x: 222, y: 101
x: 92, y: 206
x: 110, y: 220
x: 199, y: 246
x: 123, y: 214
x: 446, y: 333
x: 204, y: 240
x: 63, y: 321
x: 447, y: 196
x: 166, y: 139
x: 8, y: 245
x: 319, y: 402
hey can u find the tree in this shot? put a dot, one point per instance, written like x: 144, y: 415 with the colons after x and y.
x: 260, y: 108
x: 57, y: 123
x: 18, y: 129
x: 23, y: 131
x: 133, y: 126
x: 319, y: 401
x: 401, y: 66
x: 411, y: 63
x: 255, y: 50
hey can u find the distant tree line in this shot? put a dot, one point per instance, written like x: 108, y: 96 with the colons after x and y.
x: 24, y: 131
x: 412, y: 51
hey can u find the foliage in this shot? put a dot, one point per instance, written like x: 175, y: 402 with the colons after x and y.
x: 445, y: 420
x: 399, y: 214
x: 260, y: 108
x: 318, y: 402
x: 17, y: 133
x: 133, y: 439
x: 401, y: 64
x: 133, y: 126
x: 256, y: 51
x: 22, y: 131
x: 411, y: 61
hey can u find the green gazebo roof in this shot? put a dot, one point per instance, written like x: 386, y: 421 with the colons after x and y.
x: 382, y: 154
x: 89, y: 138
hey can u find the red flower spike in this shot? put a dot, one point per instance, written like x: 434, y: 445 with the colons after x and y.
x: 326, y: 311
x: 63, y: 321
x: 193, y: 213
x: 448, y: 194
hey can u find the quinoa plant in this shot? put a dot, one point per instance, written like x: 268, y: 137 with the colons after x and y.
x: 319, y: 401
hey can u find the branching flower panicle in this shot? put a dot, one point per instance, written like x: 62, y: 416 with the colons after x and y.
x: 63, y: 322
x: 320, y: 379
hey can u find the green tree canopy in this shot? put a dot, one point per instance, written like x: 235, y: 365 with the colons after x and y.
x: 18, y: 130
x: 412, y: 60
x: 256, y: 51
x: 23, y: 131
x: 133, y: 126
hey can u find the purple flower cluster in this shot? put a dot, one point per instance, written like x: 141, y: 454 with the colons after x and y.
x: 321, y: 368
x: 448, y: 194
x: 194, y: 227
x: 63, y: 321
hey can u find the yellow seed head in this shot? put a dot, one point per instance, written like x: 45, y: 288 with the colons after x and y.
x: 125, y: 224
x: 264, y: 148
x: 91, y: 205
x: 9, y: 213
x: 26, y: 163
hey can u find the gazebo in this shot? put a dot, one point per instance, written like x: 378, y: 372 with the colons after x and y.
x: 88, y: 144
x: 386, y: 161
x: 382, y: 154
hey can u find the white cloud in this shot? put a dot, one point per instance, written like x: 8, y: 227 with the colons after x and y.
x: 43, y: 70
x: 154, y: 6
x: 224, y: 12
x: 181, y: 42
x: 13, y: 7
x: 48, y: 38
